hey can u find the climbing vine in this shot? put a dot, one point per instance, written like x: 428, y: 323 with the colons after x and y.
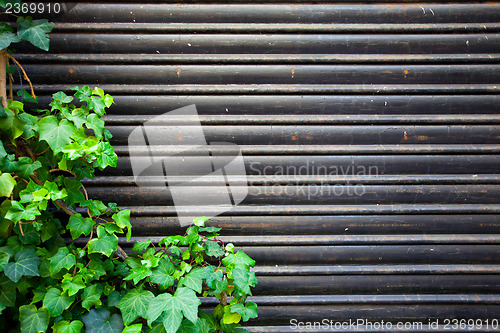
x: 61, y: 266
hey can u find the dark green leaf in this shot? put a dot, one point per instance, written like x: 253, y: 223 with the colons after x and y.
x: 135, y: 304
x: 26, y: 167
x: 26, y: 96
x: 7, y: 291
x: 162, y: 275
x: 12, y: 124
x: 100, y: 321
x: 26, y: 264
x: 7, y: 38
x: 35, y: 31
x: 56, y: 301
x: 73, y: 189
x: 33, y: 320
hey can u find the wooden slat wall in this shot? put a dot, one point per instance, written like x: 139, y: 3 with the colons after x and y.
x: 409, y: 90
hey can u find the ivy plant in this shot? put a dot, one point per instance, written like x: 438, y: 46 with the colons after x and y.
x: 61, y: 266
x: 66, y: 275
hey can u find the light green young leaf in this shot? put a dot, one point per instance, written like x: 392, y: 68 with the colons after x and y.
x: 135, y: 304
x: 7, y: 184
x: 229, y: 317
x: 12, y: 124
x: 100, y: 321
x: 33, y: 320
x: 136, y: 328
x: 26, y: 264
x: 141, y: 246
x: 35, y: 31
x: 247, y: 310
x: 65, y: 326
x: 56, y: 301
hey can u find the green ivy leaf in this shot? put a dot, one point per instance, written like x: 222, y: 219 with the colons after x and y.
x: 62, y: 259
x: 229, y: 317
x: 162, y: 275
x: 12, y: 124
x: 122, y: 219
x: 33, y: 320
x: 26, y: 96
x: 26, y: 264
x: 73, y: 285
x: 56, y: 134
x: 7, y: 292
x: 213, y: 249
x: 139, y: 273
x: 97, y: 104
x: 61, y: 97
x: 78, y: 225
x: 7, y: 184
x: 200, y: 221
x: 141, y: 246
x: 247, y: 310
x: 72, y: 187
x: 82, y: 93
x: 92, y: 296
x: 26, y: 167
x: 57, y: 301
x: 136, y: 328
x: 100, y: 321
x: 7, y: 38
x: 96, y: 207
x: 105, y: 243
x: 239, y: 259
x: 35, y: 31
x: 201, y: 326
x: 194, y: 279
x: 65, y: 326
x: 95, y: 123
x: 243, y: 280
x: 105, y: 156
x: 135, y: 304
x: 184, y: 303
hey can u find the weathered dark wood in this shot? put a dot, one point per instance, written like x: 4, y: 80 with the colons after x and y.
x: 398, y: 98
